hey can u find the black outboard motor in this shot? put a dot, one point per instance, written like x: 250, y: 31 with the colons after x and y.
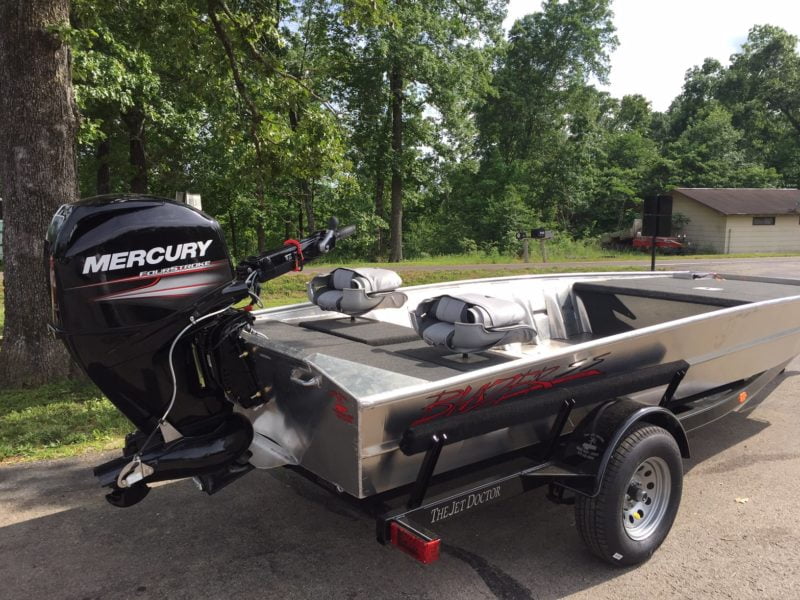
x: 141, y: 290
x: 127, y: 275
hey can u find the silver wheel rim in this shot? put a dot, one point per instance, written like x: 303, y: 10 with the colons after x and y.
x: 646, y: 498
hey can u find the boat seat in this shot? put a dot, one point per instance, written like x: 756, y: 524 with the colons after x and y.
x: 471, y: 322
x: 356, y: 291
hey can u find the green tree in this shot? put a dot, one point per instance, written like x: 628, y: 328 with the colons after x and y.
x: 134, y: 70
x: 629, y: 166
x: 415, y: 78
x: 279, y: 62
x: 709, y: 154
x: 225, y: 101
x: 762, y: 91
x: 738, y: 125
x: 768, y: 67
x: 700, y: 86
x: 539, y: 131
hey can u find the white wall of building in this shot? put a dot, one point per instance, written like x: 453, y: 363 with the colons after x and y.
x: 743, y: 236
x: 706, y: 228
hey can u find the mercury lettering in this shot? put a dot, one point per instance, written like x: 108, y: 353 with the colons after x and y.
x: 140, y: 258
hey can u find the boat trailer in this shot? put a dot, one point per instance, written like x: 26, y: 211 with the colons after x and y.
x: 573, y: 465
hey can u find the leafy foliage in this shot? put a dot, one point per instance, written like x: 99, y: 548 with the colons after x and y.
x: 420, y: 117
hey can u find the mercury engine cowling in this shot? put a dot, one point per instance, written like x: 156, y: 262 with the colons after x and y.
x: 127, y: 275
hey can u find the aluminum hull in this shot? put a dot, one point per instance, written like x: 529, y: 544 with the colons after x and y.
x: 341, y: 407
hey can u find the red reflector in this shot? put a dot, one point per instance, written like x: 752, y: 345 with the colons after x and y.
x: 424, y: 550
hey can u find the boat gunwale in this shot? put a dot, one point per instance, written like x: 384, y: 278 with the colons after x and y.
x: 386, y: 397
x: 399, y: 394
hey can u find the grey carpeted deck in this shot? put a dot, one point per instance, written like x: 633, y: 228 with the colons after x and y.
x: 366, y: 331
x: 415, y: 358
x: 714, y: 292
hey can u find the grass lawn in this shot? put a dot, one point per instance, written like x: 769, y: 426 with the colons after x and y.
x: 292, y: 288
x: 56, y: 420
x: 555, y: 255
x: 560, y: 251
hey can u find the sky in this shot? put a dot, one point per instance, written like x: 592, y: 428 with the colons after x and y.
x: 660, y: 39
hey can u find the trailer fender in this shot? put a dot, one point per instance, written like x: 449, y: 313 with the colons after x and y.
x: 598, y: 435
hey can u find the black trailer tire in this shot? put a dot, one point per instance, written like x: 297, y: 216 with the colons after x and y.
x: 638, y: 498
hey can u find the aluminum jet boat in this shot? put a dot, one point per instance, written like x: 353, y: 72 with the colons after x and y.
x: 417, y: 403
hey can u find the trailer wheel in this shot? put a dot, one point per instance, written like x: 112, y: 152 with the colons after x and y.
x: 638, y: 499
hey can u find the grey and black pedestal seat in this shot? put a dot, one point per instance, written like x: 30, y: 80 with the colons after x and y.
x: 355, y: 292
x: 468, y: 323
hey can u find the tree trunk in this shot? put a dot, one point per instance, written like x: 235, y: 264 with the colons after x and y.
x: 38, y: 124
x: 621, y: 214
x: 396, y: 223
x: 103, y: 168
x: 134, y: 121
x: 288, y: 225
x: 380, y: 211
x: 305, y: 188
x: 308, y: 205
x: 300, y: 219
x: 233, y: 235
x: 261, y: 235
x: 381, y: 239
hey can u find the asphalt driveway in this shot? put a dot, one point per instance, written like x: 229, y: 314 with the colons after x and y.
x: 274, y: 535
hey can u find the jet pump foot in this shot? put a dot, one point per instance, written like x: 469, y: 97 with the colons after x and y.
x: 123, y: 498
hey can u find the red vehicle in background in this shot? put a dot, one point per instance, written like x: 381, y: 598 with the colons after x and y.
x: 632, y: 238
x: 665, y: 244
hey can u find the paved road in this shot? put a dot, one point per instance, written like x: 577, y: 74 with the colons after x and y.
x: 273, y: 535
x: 788, y: 266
